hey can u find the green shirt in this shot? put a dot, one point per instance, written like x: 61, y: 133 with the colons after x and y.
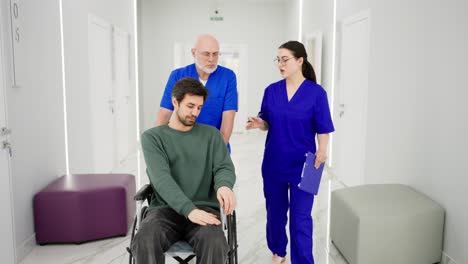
x: 186, y: 168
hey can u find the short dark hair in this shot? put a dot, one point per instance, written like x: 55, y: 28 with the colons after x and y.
x: 190, y: 86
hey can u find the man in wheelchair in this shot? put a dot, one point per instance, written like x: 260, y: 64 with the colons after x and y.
x: 192, y: 174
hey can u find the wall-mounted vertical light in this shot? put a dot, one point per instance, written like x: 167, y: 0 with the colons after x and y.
x: 332, y: 103
x: 64, y: 90
x: 332, y: 88
x: 299, y: 37
x: 137, y: 84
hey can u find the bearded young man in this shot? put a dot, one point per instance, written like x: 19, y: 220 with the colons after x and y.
x: 192, y: 173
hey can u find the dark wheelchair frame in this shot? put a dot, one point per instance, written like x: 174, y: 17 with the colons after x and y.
x: 228, y: 223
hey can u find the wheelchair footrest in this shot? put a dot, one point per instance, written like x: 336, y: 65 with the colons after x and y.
x: 184, y: 261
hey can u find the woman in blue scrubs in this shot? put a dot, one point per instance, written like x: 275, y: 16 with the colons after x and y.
x: 294, y: 111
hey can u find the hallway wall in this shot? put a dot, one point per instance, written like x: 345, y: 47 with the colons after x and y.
x: 34, y: 109
x: 416, y: 130
x: 291, y: 11
x: 318, y: 16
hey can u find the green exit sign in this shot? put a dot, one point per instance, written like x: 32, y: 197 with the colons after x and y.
x: 216, y: 18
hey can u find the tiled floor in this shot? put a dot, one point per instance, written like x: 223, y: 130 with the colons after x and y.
x: 247, y: 155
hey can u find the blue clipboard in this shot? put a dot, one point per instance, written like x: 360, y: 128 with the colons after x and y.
x: 310, y: 178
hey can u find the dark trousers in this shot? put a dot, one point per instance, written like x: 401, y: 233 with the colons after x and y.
x: 300, y: 220
x: 163, y: 227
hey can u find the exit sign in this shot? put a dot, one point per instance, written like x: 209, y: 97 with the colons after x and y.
x: 216, y: 18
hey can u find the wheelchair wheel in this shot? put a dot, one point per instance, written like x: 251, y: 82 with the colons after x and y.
x: 131, y: 260
x: 134, y: 230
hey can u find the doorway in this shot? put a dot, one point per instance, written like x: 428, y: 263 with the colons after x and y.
x: 110, y: 97
x: 102, y: 101
x: 352, y: 90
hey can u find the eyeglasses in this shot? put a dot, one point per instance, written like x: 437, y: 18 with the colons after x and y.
x: 207, y: 54
x: 282, y: 61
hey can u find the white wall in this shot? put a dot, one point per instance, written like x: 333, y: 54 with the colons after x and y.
x: 291, y: 12
x: 417, y: 115
x: 258, y: 24
x: 318, y: 16
x: 115, y: 12
x: 35, y: 110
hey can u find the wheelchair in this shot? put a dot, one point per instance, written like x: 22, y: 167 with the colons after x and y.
x: 181, y: 251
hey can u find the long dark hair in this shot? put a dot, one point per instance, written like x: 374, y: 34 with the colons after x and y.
x: 298, y: 51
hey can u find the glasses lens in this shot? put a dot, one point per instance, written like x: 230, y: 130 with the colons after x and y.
x: 208, y: 54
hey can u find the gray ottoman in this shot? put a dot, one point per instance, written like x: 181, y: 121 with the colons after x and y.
x: 386, y: 223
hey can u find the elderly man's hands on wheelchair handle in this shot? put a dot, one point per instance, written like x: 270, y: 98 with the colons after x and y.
x: 227, y: 199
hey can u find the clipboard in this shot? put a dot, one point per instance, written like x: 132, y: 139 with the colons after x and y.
x: 310, y: 177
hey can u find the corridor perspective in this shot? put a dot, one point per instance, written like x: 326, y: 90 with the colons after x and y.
x: 82, y: 80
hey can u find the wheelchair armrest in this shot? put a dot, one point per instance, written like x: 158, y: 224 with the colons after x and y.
x: 144, y: 193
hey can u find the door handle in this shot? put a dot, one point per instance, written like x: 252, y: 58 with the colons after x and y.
x: 111, y: 103
x: 6, y: 145
x: 5, y: 131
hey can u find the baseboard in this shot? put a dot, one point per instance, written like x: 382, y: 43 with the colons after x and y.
x: 25, y: 248
x: 446, y: 259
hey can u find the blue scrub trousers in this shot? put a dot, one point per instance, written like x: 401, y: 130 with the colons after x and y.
x: 300, y: 222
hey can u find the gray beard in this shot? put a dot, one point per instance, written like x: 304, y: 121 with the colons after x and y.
x: 205, y: 70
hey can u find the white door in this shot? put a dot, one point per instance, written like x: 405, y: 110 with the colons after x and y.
x: 122, y: 94
x: 7, y: 252
x: 102, y: 101
x: 352, y: 104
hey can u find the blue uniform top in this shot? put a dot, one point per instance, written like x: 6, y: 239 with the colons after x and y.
x: 222, y: 87
x: 293, y: 126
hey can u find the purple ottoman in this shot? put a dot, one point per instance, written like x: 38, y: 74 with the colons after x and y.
x: 82, y: 207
